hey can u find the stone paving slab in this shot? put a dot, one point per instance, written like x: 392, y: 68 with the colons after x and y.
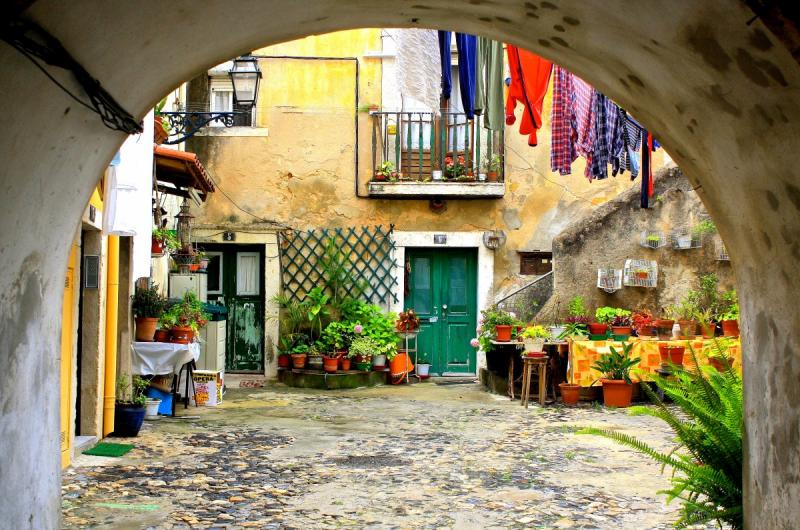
x: 423, y: 456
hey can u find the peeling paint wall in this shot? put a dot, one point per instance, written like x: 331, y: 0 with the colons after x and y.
x: 302, y: 173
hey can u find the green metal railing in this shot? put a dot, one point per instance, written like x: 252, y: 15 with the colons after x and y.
x: 417, y: 143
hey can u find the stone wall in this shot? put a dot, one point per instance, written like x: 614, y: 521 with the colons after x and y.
x: 611, y: 234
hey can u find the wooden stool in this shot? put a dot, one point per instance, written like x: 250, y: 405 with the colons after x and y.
x: 528, y: 365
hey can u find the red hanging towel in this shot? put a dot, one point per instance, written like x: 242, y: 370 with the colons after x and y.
x: 650, y: 187
x: 530, y: 76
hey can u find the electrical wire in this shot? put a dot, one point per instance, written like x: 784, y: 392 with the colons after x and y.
x: 268, y: 221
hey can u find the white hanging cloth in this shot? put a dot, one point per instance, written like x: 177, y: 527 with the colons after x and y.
x: 127, y: 207
x: 419, y: 70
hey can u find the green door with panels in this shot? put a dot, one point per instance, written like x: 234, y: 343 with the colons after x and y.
x: 442, y: 289
x: 236, y: 280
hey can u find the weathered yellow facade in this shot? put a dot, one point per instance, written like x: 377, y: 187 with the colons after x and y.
x: 301, y: 174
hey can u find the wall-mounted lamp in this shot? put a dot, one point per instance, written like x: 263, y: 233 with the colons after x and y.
x: 494, y: 239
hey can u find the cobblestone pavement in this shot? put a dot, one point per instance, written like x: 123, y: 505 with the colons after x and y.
x: 420, y: 456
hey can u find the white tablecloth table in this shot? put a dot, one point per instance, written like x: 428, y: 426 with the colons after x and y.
x: 162, y: 358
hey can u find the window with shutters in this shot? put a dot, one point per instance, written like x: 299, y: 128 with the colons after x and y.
x: 535, y: 263
x: 221, y: 100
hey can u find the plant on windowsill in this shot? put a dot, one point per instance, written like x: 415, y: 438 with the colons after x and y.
x: 492, y: 166
x: 385, y: 171
x: 147, y: 305
x: 129, y: 405
x: 454, y: 168
x: 615, y: 368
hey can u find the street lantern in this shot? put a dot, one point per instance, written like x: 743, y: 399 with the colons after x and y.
x: 245, y: 76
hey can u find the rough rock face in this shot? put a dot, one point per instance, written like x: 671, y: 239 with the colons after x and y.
x: 611, y: 234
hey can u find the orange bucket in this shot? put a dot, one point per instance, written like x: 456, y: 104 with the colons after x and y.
x: 399, y: 367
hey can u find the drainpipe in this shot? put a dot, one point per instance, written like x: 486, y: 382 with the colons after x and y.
x: 112, y: 306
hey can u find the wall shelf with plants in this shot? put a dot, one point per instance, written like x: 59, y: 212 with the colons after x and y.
x: 609, y: 279
x: 652, y: 239
x: 684, y: 239
x: 640, y: 273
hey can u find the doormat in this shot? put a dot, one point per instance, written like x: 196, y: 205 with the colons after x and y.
x: 108, y: 449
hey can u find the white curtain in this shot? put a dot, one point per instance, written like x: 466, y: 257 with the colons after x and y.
x: 419, y: 72
x: 127, y: 207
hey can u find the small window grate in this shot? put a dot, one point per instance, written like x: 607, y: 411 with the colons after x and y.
x: 91, y: 272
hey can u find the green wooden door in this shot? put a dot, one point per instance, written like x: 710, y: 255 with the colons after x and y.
x: 236, y: 280
x: 442, y: 287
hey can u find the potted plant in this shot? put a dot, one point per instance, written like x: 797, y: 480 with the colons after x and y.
x: 454, y: 168
x: 164, y: 240
x: 493, y: 165
x: 684, y: 312
x: 385, y: 171
x: 705, y: 321
x: 664, y: 324
x: 147, y: 306
x: 642, y: 322
x: 162, y: 333
x: 570, y: 393
x: 603, y: 317
x: 185, y: 318
x: 407, y: 321
x: 503, y: 323
x: 361, y: 351
x: 556, y: 330
x: 615, y: 367
x: 129, y: 405
x: 534, y: 337
x: 299, y: 355
x: 423, y: 366
x: 671, y: 354
x: 577, y: 321
x: 621, y: 324
x: 729, y: 317
x: 653, y: 240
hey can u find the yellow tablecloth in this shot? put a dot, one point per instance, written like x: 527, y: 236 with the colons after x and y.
x: 583, y: 353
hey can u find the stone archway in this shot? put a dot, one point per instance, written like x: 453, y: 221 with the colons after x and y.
x: 715, y: 85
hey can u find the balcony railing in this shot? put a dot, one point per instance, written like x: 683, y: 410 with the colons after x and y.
x: 418, y: 143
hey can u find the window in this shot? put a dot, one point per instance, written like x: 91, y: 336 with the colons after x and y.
x: 535, y: 263
x: 221, y: 100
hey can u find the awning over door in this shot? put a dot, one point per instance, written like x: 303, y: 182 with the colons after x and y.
x: 177, y: 171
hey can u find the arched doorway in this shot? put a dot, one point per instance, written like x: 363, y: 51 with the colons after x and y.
x: 709, y: 78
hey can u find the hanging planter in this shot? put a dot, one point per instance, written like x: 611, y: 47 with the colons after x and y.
x: 652, y: 239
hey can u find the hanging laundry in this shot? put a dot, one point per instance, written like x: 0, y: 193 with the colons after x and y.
x: 629, y: 161
x: 446, y: 63
x: 419, y: 70
x: 466, y: 45
x: 647, y: 176
x: 608, y: 139
x: 572, y: 120
x: 489, y: 84
x: 530, y: 77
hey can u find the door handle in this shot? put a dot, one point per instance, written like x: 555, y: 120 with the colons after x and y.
x: 444, y: 307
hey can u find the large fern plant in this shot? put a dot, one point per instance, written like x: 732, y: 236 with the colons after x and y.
x: 708, y: 421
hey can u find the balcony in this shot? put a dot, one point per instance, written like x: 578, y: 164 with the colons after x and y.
x: 434, y: 156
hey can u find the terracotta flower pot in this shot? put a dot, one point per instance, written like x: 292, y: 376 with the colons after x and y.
x: 730, y: 328
x: 194, y: 267
x: 708, y: 330
x: 156, y: 246
x: 379, y: 177
x: 162, y: 335
x: 491, y: 176
x: 181, y: 334
x: 570, y: 393
x: 621, y: 330
x: 617, y: 393
x: 284, y: 361
x: 595, y: 328
x: 671, y: 353
x: 330, y: 364
x: 345, y: 364
x: 146, y: 329
x: 298, y: 360
x: 503, y: 333
x: 664, y: 328
x: 688, y: 328
x: 720, y: 364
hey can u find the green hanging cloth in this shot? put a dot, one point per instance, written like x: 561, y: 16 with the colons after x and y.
x: 489, y: 100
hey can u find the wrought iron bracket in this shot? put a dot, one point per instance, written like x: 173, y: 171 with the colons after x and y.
x: 184, y: 125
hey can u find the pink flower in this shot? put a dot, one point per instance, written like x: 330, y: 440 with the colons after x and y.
x: 358, y: 329
x: 474, y: 343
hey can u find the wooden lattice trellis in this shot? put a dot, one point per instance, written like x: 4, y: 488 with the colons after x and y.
x: 369, y: 253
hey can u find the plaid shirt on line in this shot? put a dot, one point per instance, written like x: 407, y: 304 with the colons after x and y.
x: 572, y: 120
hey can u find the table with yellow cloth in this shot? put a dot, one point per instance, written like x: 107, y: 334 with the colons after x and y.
x: 583, y: 353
